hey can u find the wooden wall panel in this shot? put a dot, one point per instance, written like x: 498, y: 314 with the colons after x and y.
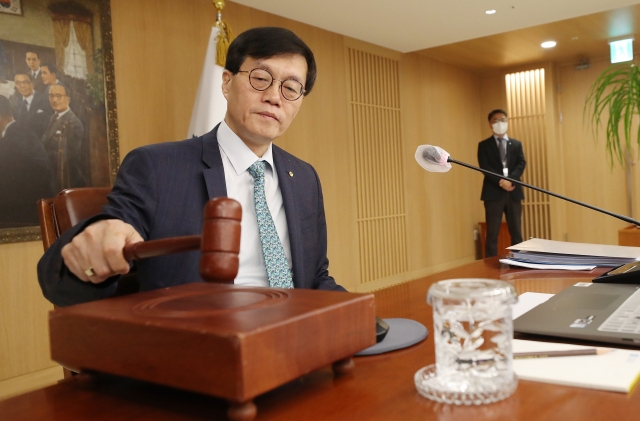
x: 577, y: 164
x: 494, y: 94
x: 24, y: 337
x: 588, y: 176
x: 441, y: 106
x: 377, y: 144
x: 526, y: 105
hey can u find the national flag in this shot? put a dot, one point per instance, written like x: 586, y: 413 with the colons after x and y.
x: 210, y: 106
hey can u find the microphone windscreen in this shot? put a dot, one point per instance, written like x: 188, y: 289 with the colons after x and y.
x: 432, y: 158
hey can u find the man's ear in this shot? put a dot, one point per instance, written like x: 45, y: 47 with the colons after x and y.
x: 226, y: 80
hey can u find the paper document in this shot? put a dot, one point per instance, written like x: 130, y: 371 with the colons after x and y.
x: 616, y: 371
x: 584, y: 249
x: 547, y: 266
x: 541, y: 251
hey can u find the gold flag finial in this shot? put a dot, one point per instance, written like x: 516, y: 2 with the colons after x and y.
x: 224, y: 35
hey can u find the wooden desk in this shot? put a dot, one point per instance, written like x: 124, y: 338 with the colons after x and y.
x: 381, y: 387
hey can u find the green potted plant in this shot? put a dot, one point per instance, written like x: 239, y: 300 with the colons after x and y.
x: 615, y: 98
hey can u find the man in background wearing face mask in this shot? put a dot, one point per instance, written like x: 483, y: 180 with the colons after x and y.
x: 503, y: 155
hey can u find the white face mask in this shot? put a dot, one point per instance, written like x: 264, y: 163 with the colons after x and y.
x: 499, y: 127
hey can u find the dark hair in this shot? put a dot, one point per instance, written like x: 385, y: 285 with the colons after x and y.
x: 52, y: 68
x: 269, y: 42
x: 32, y: 52
x: 66, y: 90
x: 497, y: 111
x: 29, y: 75
x: 5, y: 107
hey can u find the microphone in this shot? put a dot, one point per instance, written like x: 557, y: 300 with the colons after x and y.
x: 436, y: 159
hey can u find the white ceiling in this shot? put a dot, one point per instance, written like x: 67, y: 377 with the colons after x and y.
x: 410, y: 25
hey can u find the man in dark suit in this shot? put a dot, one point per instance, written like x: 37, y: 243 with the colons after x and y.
x: 161, y: 189
x: 30, y: 108
x: 33, y: 62
x: 63, y: 140
x: 503, y: 155
x: 25, y: 173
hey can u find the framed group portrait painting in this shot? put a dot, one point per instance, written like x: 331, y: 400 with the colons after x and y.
x: 58, y: 120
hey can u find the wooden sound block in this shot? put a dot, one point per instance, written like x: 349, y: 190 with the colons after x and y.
x: 228, y: 341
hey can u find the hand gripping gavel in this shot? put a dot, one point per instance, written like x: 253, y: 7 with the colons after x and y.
x: 219, y: 242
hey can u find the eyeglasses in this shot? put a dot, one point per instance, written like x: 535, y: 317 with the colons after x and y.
x: 261, y: 80
x: 499, y: 120
x: 57, y: 97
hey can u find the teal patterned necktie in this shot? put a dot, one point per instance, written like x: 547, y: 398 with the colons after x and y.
x: 275, y: 260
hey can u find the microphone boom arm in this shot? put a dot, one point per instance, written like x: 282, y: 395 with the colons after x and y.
x: 615, y: 215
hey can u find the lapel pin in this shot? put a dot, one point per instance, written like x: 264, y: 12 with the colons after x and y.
x: 290, y: 174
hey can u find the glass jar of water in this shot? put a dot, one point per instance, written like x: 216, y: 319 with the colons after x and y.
x: 473, y: 332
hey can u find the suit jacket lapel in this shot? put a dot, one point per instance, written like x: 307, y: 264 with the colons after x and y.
x: 495, y: 152
x: 511, y: 156
x: 53, y: 125
x: 61, y: 122
x: 214, y: 173
x: 285, y: 183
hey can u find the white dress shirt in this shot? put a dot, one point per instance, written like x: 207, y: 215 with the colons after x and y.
x: 63, y: 113
x: 499, y: 138
x: 236, y: 159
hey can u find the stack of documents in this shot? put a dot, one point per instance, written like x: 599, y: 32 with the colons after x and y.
x: 548, y: 254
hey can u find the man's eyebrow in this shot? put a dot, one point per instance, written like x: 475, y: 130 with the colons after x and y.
x: 262, y: 65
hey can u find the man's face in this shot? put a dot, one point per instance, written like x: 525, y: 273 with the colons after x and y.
x: 32, y: 61
x: 58, y: 98
x: 24, y: 85
x: 47, y: 77
x: 498, y: 123
x: 259, y: 117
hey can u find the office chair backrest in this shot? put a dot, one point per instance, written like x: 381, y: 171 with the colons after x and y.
x: 69, y: 207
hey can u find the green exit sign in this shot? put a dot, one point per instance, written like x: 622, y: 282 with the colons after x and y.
x: 621, y: 50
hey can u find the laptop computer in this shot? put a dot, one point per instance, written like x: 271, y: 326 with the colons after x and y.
x: 598, y: 312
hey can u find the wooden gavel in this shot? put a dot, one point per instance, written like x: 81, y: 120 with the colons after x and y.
x: 219, y: 242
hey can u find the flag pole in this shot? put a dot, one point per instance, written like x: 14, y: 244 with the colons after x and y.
x: 224, y: 35
x: 210, y: 104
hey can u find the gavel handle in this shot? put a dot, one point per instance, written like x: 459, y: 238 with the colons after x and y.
x: 155, y: 248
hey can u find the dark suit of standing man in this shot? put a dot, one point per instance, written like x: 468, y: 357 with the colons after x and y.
x: 63, y: 140
x: 33, y: 62
x: 30, y: 108
x: 501, y: 196
x: 25, y: 174
x: 161, y: 189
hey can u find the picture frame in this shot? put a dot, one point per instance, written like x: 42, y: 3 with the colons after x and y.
x: 72, y: 42
x: 11, y: 7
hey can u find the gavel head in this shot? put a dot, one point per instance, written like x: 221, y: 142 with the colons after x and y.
x: 220, y: 243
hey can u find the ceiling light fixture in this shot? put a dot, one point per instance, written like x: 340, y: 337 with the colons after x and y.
x: 490, y: 12
x: 548, y: 44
